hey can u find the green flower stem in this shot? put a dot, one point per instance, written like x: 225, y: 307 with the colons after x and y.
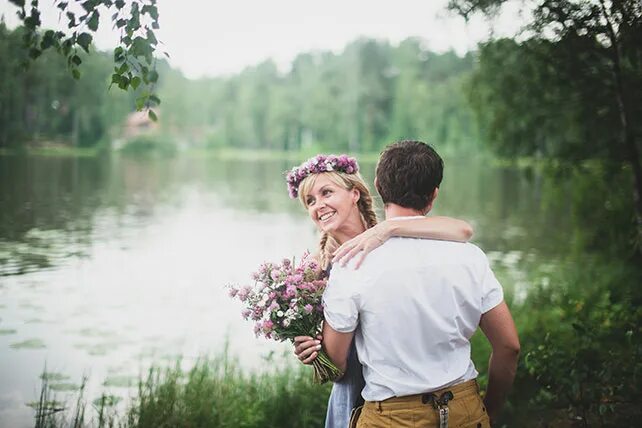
x: 324, y: 369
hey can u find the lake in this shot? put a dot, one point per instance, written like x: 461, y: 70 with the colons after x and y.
x: 108, y: 265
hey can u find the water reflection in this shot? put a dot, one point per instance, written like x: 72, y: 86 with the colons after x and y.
x: 109, y: 264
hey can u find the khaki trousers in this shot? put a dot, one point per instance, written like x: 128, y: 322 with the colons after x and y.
x: 466, y: 409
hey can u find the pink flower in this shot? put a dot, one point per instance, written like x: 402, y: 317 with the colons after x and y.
x: 308, y: 308
x: 232, y: 291
x: 245, y: 313
x: 244, y: 293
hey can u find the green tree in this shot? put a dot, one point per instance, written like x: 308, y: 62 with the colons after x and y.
x: 571, y: 91
x: 136, y: 20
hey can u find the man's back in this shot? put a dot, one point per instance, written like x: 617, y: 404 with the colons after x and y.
x: 418, y: 302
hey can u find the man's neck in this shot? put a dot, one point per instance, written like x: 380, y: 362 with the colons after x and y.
x: 394, y: 210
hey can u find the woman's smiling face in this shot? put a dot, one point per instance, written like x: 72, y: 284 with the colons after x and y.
x: 330, y: 205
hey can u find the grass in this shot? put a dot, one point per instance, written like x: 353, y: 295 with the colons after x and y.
x: 213, y: 393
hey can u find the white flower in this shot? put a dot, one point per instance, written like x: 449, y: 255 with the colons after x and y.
x: 286, y: 323
x: 328, y: 166
x: 280, y: 314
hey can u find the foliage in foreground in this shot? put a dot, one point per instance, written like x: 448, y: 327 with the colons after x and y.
x: 214, y: 393
x: 581, y: 366
x: 581, y: 359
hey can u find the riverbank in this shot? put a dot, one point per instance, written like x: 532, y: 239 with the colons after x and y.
x: 579, y: 327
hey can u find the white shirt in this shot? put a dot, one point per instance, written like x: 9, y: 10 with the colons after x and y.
x: 417, y: 302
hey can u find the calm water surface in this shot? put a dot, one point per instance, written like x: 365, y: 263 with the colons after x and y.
x: 108, y: 265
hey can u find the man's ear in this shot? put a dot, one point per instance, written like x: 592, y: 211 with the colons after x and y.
x: 432, y: 201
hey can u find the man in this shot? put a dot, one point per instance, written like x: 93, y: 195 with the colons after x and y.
x: 417, y: 303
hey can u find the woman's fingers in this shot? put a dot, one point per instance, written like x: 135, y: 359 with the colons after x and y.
x: 350, y: 254
x: 304, y: 348
x: 306, y: 353
x: 301, y: 339
x: 342, y: 250
x: 311, y: 358
x: 360, y: 259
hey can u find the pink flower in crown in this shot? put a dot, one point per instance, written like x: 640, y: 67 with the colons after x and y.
x: 316, y: 165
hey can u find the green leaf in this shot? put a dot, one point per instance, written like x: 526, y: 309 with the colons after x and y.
x: 72, y: 19
x: 119, y: 4
x: 118, y: 54
x: 88, y: 5
x: 62, y: 5
x: 32, y: 21
x: 48, y: 40
x: 152, y: 115
x: 154, y: 99
x: 75, y: 73
x: 34, y: 53
x: 66, y: 47
x: 151, y: 11
x: 84, y: 40
x: 93, y: 21
x: 124, y: 82
x: 140, y: 102
x: 121, y: 23
x: 76, y: 60
x: 153, y: 76
x: 151, y: 37
x: 135, y: 82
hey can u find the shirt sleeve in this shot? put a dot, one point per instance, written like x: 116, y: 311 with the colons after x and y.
x: 492, y: 292
x: 340, y: 302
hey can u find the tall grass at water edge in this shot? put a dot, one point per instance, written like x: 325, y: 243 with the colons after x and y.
x: 214, y: 393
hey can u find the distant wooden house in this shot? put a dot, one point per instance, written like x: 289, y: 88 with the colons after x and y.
x: 138, y: 123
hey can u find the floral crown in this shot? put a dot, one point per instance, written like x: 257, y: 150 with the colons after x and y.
x: 317, y: 165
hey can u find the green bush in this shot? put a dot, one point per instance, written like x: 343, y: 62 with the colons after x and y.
x: 581, y: 351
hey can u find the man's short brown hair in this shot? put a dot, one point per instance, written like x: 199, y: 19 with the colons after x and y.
x: 408, y: 172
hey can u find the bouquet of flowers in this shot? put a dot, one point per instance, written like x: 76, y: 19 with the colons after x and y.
x: 285, y: 302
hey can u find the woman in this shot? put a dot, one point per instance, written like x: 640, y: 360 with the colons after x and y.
x: 340, y: 204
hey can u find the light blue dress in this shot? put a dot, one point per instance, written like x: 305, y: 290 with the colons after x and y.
x: 346, y: 393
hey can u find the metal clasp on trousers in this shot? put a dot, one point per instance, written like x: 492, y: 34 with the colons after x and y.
x: 440, y: 404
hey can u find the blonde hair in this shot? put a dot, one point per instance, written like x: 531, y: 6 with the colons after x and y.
x: 348, y: 182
